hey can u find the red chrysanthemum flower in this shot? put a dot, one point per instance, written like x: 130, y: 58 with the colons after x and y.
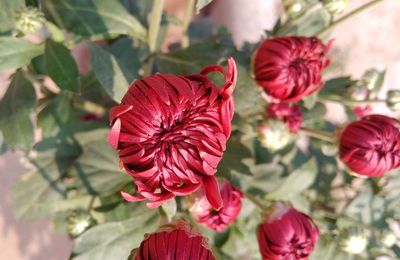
x: 290, y: 114
x: 289, y: 68
x: 178, y: 240
x: 219, y: 219
x: 171, y: 132
x: 286, y: 234
x: 371, y: 146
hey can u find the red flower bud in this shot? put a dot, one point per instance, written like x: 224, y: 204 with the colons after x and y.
x: 288, y: 113
x: 286, y: 234
x: 362, y: 111
x: 371, y: 146
x: 219, y: 220
x: 173, y: 241
x: 289, y: 68
x: 171, y: 132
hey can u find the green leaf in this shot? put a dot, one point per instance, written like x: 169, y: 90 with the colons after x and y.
x: 32, y: 193
x: 16, y: 52
x: 97, y: 170
x: 3, y: 146
x: 54, y: 116
x: 169, y: 207
x: 246, y: 94
x: 367, y: 208
x: 35, y: 193
x: 8, y: 13
x: 113, y: 78
x: 93, y: 17
x: 336, y: 87
x: 16, y: 107
x: 61, y: 66
x: 234, y: 159
x: 316, y: 19
x: 298, y: 181
x: 128, y: 57
x: 200, y: 4
x: 115, y: 240
x: 194, y: 58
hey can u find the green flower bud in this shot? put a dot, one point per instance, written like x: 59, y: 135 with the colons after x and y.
x: 353, y: 241
x: 274, y: 135
x: 29, y: 20
x: 78, y: 222
x: 335, y: 6
x: 393, y: 100
x: 294, y: 7
x: 389, y: 239
x: 373, y: 80
x: 358, y: 92
x: 329, y: 149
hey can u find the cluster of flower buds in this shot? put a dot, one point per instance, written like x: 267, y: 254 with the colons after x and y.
x: 285, y: 233
x: 288, y: 69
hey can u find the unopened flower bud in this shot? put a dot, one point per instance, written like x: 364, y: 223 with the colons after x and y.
x: 274, y: 135
x: 29, y: 20
x: 335, y: 6
x: 294, y: 7
x: 358, y: 92
x: 372, y: 80
x: 286, y: 233
x: 393, y: 100
x: 329, y: 149
x: 389, y: 239
x: 354, y: 241
x: 78, y: 222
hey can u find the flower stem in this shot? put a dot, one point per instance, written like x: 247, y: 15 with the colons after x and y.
x: 322, y: 135
x: 255, y: 201
x: 186, y: 22
x: 349, y: 102
x: 154, y: 23
x: 347, y: 16
x: 291, y: 22
x: 87, y: 106
x: 91, y: 203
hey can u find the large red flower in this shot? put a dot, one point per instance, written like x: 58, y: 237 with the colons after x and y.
x: 371, y: 146
x: 174, y: 241
x: 288, y: 113
x: 171, y: 132
x: 286, y: 234
x: 289, y: 68
x: 219, y: 219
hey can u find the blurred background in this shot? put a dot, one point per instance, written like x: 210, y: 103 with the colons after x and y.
x: 369, y: 40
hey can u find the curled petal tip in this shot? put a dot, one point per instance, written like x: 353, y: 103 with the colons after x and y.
x: 230, y: 78
x: 131, y: 198
x: 212, y: 192
x: 113, y: 135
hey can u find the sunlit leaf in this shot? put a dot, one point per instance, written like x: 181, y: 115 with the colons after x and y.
x: 93, y: 17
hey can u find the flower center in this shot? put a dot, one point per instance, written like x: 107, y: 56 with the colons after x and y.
x: 300, y: 250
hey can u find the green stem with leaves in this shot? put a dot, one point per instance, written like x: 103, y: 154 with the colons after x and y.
x: 347, y: 16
